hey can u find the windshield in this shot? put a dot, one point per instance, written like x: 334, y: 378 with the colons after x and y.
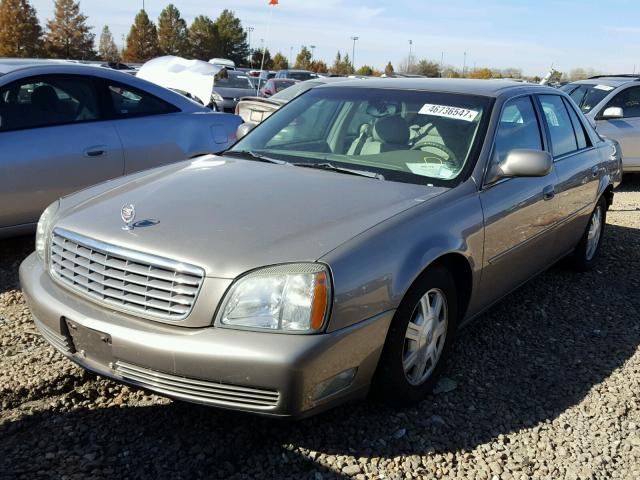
x: 587, y: 96
x: 232, y: 80
x: 404, y: 135
x: 301, y: 75
x: 295, y: 90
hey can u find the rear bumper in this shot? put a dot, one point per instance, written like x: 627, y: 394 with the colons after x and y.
x: 265, y: 373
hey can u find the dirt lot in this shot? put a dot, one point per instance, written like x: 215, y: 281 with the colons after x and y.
x: 546, y: 385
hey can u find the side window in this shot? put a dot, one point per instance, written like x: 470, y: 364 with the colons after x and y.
x: 629, y: 101
x: 518, y: 128
x: 563, y: 138
x: 130, y: 102
x: 47, y: 101
x: 310, y: 126
x: 578, y: 128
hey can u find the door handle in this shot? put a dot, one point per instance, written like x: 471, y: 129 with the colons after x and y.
x: 95, y: 151
x: 548, y: 192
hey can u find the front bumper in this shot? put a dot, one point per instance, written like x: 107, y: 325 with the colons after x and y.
x: 266, y: 373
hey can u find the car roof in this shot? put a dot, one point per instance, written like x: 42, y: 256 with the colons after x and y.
x: 10, y: 64
x: 609, y: 80
x: 490, y: 88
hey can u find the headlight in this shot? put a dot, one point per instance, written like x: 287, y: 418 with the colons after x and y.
x: 288, y: 298
x: 217, y: 97
x: 43, y: 232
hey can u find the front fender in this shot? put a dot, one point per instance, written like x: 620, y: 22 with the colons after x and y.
x: 373, y: 271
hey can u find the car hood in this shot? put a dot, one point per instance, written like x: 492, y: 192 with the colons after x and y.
x: 229, y: 216
x: 227, y: 92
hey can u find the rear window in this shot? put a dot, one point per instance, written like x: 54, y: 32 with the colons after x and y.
x: 587, y: 96
x: 232, y: 80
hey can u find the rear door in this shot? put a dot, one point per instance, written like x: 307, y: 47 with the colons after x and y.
x: 625, y: 130
x: 578, y: 167
x: 519, y: 213
x: 54, y: 140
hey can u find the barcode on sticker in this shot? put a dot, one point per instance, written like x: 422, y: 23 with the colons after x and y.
x: 449, y: 112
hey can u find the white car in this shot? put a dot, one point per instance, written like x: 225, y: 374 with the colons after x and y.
x: 65, y: 126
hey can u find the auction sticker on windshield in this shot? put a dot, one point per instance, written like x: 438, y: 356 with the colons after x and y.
x: 449, y: 112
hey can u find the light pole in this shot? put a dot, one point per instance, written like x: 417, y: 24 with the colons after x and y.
x: 249, y: 30
x: 353, y: 52
x: 464, y: 64
x: 409, y: 62
x: 312, y: 47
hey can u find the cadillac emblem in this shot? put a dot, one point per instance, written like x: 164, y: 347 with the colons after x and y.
x: 128, y: 215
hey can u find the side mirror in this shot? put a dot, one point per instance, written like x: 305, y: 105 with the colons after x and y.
x: 522, y: 163
x: 243, y: 129
x: 613, y: 112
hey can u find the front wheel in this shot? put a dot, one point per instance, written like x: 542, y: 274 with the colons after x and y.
x: 586, y: 253
x: 418, y: 340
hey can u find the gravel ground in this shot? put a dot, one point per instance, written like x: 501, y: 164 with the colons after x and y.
x: 546, y: 385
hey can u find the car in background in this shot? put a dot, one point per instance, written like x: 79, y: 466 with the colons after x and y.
x: 275, y: 85
x: 301, y: 75
x: 228, y: 87
x: 612, y: 103
x: 331, y: 253
x: 256, y: 109
x: 64, y: 127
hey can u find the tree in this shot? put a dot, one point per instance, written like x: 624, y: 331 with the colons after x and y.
x: 203, y: 38
x: 365, y: 70
x: 303, y: 59
x: 318, y: 66
x: 388, y: 70
x: 232, y: 38
x: 341, y: 65
x: 256, y: 58
x: 427, y: 68
x: 481, y: 73
x: 20, y: 32
x: 280, y: 62
x: 108, y: 51
x: 172, y: 32
x: 142, y: 41
x: 68, y: 35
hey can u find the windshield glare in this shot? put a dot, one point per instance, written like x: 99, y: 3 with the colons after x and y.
x: 295, y: 90
x: 587, y: 96
x: 402, y: 134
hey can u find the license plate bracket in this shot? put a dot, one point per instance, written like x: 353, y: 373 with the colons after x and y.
x: 90, y: 344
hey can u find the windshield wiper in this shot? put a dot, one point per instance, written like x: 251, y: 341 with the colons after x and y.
x: 255, y: 156
x: 333, y: 168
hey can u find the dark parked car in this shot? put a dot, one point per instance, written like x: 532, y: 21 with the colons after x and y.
x: 275, y: 85
x: 301, y: 75
x: 228, y: 87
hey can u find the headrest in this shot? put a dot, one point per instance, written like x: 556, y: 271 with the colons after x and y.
x: 44, y: 97
x: 391, y: 129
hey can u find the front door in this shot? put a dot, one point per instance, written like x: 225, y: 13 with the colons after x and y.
x: 52, y: 143
x: 519, y: 213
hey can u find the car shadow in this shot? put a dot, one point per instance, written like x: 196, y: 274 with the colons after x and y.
x: 630, y: 183
x: 531, y: 357
x: 12, y: 252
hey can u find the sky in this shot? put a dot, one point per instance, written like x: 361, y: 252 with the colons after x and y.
x: 530, y: 35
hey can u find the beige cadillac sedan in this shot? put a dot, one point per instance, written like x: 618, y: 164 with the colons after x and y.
x: 332, y: 253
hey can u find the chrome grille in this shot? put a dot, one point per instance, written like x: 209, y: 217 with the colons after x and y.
x: 196, y: 390
x: 124, y: 279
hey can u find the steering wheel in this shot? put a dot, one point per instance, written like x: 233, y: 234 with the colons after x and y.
x: 451, y: 159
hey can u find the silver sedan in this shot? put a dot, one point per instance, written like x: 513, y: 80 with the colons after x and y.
x: 332, y: 253
x: 64, y: 127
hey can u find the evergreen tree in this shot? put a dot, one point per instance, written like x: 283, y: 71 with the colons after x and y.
x: 108, y: 50
x: 256, y: 59
x: 280, y: 62
x: 68, y: 35
x: 365, y: 70
x: 232, y: 37
x: 342, y: 65
x: 318, y: 66
x: 142, y: 41
x: 388, y: 70
x: 303, y: 59
x: 20, y: 32
x: 203, y: 39
x: 172, y: 32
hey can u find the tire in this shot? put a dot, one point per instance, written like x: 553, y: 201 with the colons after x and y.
x: 585, y: 255
x: 393, y: 383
